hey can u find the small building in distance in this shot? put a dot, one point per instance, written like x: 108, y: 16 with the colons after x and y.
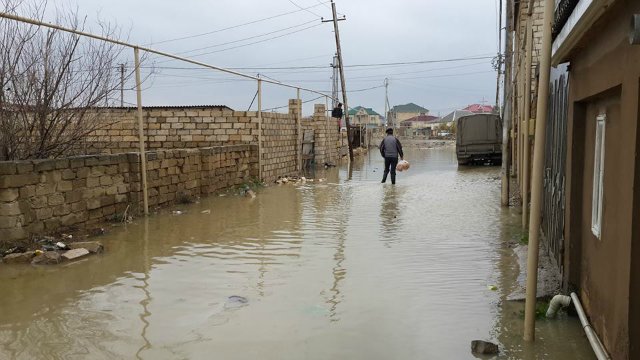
x: 399, y: 113
x: 362, y: 116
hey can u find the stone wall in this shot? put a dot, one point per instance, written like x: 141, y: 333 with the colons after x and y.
x: 45, y: 196
x: 326, y: 136
x: 537, y: 14
x: 173, y: 128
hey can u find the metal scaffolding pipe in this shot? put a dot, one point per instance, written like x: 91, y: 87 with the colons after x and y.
x: 537, y: 178
x: 153, y: 51
x: 143, y: 156
x: 527, y: 114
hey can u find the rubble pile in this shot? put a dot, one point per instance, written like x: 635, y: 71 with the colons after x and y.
x: 52, y: 251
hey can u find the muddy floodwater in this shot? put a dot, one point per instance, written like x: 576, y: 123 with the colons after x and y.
x: 347, y: 268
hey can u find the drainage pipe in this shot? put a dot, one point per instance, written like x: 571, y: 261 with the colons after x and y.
x: 555, y: 304
x: 596, y: 345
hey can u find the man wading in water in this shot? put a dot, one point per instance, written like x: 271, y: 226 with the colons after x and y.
x: 390, y: 148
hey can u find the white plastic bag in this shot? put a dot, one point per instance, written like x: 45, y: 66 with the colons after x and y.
x: 402, y: 165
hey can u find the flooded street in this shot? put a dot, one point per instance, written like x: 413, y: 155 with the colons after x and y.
x: 343, y: 269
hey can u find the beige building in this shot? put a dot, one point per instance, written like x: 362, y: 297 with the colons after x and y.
x: 362, y: 116
x: 399, y: 113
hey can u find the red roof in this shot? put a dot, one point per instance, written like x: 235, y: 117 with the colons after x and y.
x: 422, y: 118
x: 478, y: 108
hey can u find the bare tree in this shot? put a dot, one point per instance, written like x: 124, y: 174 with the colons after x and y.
x: 55, y: 85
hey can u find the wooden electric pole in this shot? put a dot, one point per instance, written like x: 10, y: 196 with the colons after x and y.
x: 342, y: 81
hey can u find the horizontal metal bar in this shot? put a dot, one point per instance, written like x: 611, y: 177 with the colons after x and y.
x: 153, y: 51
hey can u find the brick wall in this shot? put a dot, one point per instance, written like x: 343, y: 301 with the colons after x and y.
x: 536, y: 16
x: 45, y: 196
x: 279, y: 144
x: 326, y: 136
x: 172, y: 128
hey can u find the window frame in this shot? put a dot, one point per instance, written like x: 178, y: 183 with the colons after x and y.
x: 597, y: 200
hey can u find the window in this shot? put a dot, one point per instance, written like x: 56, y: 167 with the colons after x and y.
x: 598, y: 177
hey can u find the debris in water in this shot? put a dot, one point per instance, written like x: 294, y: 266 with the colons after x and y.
x: 235, y: 301
x: 177, y: 212
x: 483, y: 347
x: 250, y: 194
x: 75, y: 253
x: 205, y: 211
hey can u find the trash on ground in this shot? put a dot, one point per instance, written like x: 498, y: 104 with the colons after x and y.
x: 75, y: 254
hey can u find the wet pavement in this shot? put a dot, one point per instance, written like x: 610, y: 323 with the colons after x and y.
x: 343, y: 269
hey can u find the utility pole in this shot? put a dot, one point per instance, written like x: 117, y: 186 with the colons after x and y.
x: 121, y: 85
x: 344, y: 87
x: 386, y: 99
x: 334, y: 83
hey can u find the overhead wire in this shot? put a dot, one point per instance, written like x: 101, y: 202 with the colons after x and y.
x: 245, y: 39
x: 248, y: 44
x: 307, y: 10
x: 232, y: 27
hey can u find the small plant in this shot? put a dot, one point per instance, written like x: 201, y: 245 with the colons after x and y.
x: 524, y: 239
x: 541, y: 310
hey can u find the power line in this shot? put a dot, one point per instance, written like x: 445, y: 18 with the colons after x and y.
x: 423, y: 61
x: 248, y: 44
x: 247, y: 38
x: 307, y: 10
x: 419, y: 62
x: 233, y: 27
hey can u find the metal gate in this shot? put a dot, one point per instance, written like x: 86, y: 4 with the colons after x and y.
x: 555, y: 164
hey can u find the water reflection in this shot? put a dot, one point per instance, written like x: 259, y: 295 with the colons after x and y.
x: 390, y: 216
x: 345, y: 269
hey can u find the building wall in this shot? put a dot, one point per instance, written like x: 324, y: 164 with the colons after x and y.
x: 44, y: 196
x: 604, y: 77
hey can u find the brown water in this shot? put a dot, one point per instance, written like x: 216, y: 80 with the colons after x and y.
x: 343, y: 269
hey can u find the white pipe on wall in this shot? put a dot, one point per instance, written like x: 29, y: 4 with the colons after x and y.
x: 596, y: 345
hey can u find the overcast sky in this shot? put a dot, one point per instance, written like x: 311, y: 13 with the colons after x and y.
x: 375, y: 32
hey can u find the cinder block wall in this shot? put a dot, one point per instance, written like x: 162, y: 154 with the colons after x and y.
x: 326, y: 136
x: 172, y: 128
x: 279, y: 144
x: 45, y: 196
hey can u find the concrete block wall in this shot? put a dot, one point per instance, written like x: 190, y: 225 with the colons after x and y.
x: 279, y: 145
x: 43, y: 196
x: 521, y: 32
x: 172, y: 128
x: 46, y: 196
x: 326, y: 135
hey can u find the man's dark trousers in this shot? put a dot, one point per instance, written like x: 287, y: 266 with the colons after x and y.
x: 390, y: 164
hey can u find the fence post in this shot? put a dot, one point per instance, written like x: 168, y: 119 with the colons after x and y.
x: 143, y: 156
x: 260, y: 130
